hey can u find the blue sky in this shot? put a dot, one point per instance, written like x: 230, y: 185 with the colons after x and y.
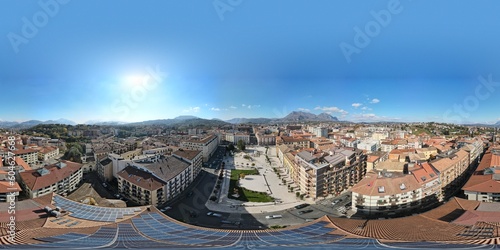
x: 359, y: 60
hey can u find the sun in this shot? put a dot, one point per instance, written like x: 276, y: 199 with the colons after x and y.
x: 136, y: 80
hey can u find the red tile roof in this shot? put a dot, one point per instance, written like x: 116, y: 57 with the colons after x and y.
x: 35, y: 181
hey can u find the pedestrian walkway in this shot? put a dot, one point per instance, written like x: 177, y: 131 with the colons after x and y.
x: 267, y: 181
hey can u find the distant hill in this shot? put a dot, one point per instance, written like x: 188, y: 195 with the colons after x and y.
x: 60, y: 121
x: 32, y: 123
x: 105, y: 123
x: 180, y: 122
x: 250, y: 120
x: 497, y: 124
x: 299, y: 116
x: 186, y: 117
x: 295, y: 116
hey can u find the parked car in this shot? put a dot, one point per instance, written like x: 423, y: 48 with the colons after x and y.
x: 276, y: 216
x: 305, y: 211
x: 214, y: 214
x: 165, y: 209
x: 303, y: 205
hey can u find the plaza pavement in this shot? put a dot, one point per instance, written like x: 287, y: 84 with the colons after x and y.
x: 267, y: 181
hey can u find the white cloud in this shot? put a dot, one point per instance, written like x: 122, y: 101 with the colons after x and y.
x: 304, y: 109
x: 243, y: 105
x: 357, y: 105
x: 215, y: 109
x: 253, y: 106
x: 331, y: 109
x: 233, y: 107
x: 375, y: 100
x: 366, y: 108
x: 192, y: 110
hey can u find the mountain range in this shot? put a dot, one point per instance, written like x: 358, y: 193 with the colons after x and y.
x: 295, y: 116
x: 32, y: 123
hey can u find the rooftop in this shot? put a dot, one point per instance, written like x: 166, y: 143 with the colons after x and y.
x: 34, y: 180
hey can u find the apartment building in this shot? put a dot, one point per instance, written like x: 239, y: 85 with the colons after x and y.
x: 47, y: 153
x: 62, y: 178
x: 105, y: 169
x: 383, y: 193
x: 452, y: 169
x: 29, y: 155
x: 484, y: 184
x: 236, y: 137
x: 206, y: 145
x: 264, y: 139
x: 374, y: 158
x: 163, y: 179
x: 7, y: 185
x: 319, y: 173
x: 369, y: 145
x: 293, y: 141
x: 193, y: 157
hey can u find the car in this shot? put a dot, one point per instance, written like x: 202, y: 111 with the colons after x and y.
x: 117, y: 196
x: 305, y: 211
x: 276, y: 216
x: 303, y: 205
x: 335, y: 202
x: 165, y: 209
x: 214, y: 214
x: 104, y: 184
x: 190, y: 194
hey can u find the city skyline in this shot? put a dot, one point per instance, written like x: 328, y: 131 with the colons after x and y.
x: 81, y: 62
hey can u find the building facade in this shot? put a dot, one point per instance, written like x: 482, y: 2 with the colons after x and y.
x: 62, y: 178
x: 206, y: 145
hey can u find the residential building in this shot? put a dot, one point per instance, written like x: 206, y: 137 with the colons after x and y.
x: 369, y: 145
x: 47, y: 153
x: 29, y: 155
x: 319, y: 173
x: 156, y: 182
x: 397, y: 192
x: 452, y: 169
x: 193, y: 157
x: 294, y: 141
x: 105, y: 169
x: 236, y: 137
x: 374, y: 158
x: 264, y: 139
x: 484, y: 184
x: 62, y: 178
x: 207, y: 145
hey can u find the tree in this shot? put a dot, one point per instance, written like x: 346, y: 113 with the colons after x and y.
x: 230, y: 147
x: 241, y: 145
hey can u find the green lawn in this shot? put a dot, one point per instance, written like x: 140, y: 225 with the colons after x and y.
x: 245, y: 194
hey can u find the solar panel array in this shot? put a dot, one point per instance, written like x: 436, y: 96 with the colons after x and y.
x: 155, y: 226
x: 104, y: 237
x: 152, y: 230
x: 93, y: 213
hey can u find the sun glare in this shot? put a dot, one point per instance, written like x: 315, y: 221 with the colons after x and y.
x: 135, y: 80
